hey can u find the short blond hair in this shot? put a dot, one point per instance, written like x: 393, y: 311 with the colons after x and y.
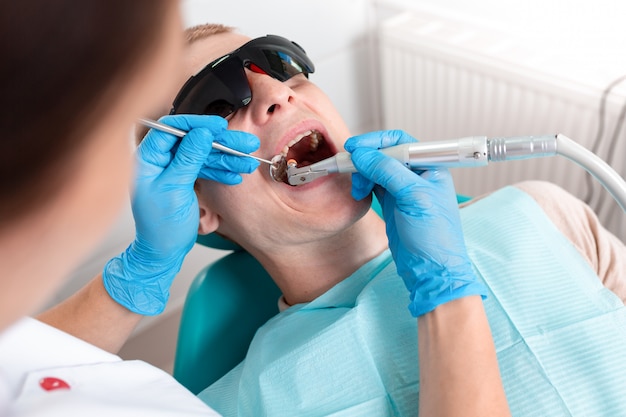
x: 203, y: 31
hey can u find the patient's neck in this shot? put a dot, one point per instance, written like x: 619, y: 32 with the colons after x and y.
x: 305, y: 272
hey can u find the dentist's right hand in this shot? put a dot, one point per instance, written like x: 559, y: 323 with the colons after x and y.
x: 422, y: 219
x: 165, y: 206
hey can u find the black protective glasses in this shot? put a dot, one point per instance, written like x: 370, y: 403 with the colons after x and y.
x: 221, y: 88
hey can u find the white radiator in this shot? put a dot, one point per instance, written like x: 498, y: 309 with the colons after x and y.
x: 444, y: 79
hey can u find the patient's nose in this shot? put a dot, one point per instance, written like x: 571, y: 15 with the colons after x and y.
x: 269, y: 95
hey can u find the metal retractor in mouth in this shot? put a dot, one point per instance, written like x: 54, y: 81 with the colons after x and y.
x: 278, y: 169
x: 287, y: 171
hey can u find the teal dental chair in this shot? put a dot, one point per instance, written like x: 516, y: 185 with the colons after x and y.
x: 225, y: 305
x: 215, y: 328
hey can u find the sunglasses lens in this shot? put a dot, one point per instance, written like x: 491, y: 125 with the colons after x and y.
x: 220, y: 108
x: 283, y: 66
x: 222, y: 88
x: 218, y: 90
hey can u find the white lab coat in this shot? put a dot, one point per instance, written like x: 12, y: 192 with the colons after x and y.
x: 100, y: 383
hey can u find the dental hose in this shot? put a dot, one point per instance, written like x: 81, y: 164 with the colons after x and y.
x: 476, y: 151
x: 524, y: 147
x: 594, y: 165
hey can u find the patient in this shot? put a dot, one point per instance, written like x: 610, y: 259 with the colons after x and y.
x: 344, y: 342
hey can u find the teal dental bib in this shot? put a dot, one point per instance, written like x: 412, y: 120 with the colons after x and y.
x: 560, y: 335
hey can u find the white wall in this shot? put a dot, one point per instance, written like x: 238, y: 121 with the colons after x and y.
x: 579, y: 32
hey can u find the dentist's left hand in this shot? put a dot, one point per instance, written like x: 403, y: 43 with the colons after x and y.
x: 422, y: 219
x: 165, y: 206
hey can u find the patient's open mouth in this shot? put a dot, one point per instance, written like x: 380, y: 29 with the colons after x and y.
x: 305, y: 149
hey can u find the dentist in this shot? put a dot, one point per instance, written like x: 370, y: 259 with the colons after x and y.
x: 75, y: 77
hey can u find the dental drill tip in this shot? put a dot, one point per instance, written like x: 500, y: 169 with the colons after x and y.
x: 278, y: 169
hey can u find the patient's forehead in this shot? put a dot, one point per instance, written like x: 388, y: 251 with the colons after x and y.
x: 201, y: 52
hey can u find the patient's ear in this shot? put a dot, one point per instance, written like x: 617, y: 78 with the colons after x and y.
x: 209, y: 221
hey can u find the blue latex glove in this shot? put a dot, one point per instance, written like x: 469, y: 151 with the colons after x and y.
x: 423, y: 222
x: 165, y: 206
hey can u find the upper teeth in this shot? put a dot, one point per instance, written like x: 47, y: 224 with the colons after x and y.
x: 315, y: 140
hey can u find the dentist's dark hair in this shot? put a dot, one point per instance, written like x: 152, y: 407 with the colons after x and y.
x: 62, y: 63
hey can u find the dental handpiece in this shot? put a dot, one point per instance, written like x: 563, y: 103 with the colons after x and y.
x: 470, y: 151
x: 477, y: 151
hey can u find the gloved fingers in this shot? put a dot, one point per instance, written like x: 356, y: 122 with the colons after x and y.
x: 226, y: 162
x: 191, y: 155
x: 378, y: 140
x: 385, y: 204
x: 215, y: 129
x: 222, y: 176
x: 157, y: 147
x: 438, y: 176
x: 226, y: 168
x: 187, y: 122
x: 384, y: 170
x: 238, y: 140
x: 442, y: 184
x: 361, y: 186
